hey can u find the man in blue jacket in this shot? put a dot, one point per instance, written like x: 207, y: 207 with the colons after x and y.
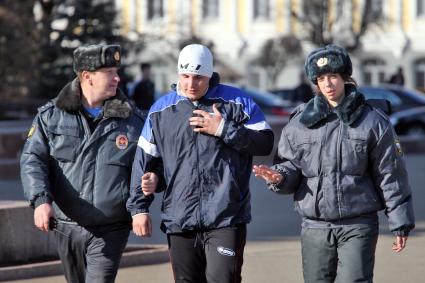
x: 76, y: 164
x: 197, y: 145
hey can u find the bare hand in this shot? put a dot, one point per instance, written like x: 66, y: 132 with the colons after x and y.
x: 149, y: 183
x: 268, y: 174
x: 142, y: 225
x: 399, y: 244
x: 42, y: 215
x: 205, y: 122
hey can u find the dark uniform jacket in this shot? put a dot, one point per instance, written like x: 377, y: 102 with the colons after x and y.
x: 344, y: 163
x: 85, y: 174
x: 206, y: 177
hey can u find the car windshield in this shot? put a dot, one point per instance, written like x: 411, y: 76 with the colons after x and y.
x: 380, y: 93
x: 396, y: 95
x: 411, y: 93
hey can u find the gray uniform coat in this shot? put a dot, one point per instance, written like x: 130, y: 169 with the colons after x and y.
x: 343, y: 163
x: 85, y: 174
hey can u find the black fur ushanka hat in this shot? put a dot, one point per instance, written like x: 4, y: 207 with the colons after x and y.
x: 93, y: 57
x: 328, y: 59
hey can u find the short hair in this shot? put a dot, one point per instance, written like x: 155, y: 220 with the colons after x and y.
x: 144, y: 66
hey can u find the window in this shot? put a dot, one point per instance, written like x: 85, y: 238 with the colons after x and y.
x: 261, y: 9
x: 210, y: 9
x: 155, y: 9
x: 420, y: 74
x: 420, y: 8
x: 373, y: 71
x: 377, y: 9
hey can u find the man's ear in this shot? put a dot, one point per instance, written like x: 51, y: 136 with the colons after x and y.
x: 87, y: 77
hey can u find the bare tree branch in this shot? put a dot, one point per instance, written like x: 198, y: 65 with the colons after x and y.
x: 320, y: 29
x: 275, y: 54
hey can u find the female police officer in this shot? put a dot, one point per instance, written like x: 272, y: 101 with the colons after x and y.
x: 343, y: 162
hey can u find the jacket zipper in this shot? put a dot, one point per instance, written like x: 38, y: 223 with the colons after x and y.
x: 95, y: 161
x: 319, y: 187
x: 196, y: 135
x: 338, y: 169
x: 86, y: 138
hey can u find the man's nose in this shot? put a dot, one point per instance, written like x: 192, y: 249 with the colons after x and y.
x: 191, y: 82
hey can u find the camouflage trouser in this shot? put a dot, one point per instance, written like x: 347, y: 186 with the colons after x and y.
x: 345, y: 254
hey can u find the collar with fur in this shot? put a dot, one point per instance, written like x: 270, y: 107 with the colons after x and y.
x: 348, y: 110
x: 69, y: 99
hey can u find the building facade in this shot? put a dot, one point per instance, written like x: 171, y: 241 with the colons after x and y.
x: 239, y: 28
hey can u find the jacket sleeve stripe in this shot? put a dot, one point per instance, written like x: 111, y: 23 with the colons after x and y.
x: 255, y: 117
x: 262, y: 125
x: 148, y: 147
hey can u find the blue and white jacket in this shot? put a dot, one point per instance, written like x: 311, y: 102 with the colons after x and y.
x: 205, y: 178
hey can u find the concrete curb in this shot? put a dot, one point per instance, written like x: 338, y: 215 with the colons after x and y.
x: 134, y: 255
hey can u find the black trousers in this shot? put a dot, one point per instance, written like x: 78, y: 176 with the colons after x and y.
x: 91, y: 255
x: 213, y: 256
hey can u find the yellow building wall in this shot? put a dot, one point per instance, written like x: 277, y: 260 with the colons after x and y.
x: 332, y: 12
x: 171, y: 11
x: 139, y: 15
x: 295, y: 7
x: 126, y: 16
x: 406, y: 20
x: 195, y: 14
x: 241, y: 7
x: 280, y: 15
x: 357, y: 16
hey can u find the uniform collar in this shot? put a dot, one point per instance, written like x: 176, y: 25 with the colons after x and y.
x: 348, y: 110
x: 69, y: 99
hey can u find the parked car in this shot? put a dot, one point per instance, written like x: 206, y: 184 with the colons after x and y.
x: 269, y: 103
x: 287, y: 94
x: 409, y: 122
x: 400, y: 98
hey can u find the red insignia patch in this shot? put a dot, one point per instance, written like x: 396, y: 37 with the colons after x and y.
x: 121, y: 141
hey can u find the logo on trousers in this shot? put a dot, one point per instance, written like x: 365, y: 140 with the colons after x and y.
x: 225, y: 251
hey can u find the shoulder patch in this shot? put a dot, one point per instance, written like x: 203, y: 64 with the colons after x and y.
x: 31, y: 131
x: 398, y: 147
x: 140, y: 113
x: 373, y: 104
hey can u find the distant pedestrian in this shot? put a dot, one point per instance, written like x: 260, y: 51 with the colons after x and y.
x: 144, y: 91
x: 343, y: 162
x: 124, y: 80
x: 303, y: 92
x: 398, y: 77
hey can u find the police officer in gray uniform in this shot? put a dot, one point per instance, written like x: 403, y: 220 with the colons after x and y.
x: 342, y: 160
x: 76, y: 166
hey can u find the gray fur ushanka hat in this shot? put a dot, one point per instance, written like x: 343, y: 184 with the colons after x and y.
x: 93, y: 57
x: 328, y: 59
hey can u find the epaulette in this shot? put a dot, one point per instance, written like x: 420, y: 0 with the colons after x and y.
x: 382, y: 104
x: 142, y: 114
x: 380, y: 112
x: 296, y: 111
x: 46, y: 106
